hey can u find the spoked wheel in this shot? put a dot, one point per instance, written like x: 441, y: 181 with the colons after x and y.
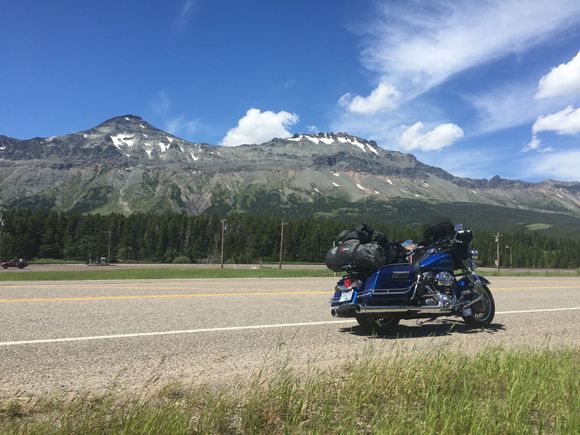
x: 482, y: 311
x: 378, y: 323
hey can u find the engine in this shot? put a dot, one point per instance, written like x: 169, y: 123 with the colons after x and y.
x: 438, y: 290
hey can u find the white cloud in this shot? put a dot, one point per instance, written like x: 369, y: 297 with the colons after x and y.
x: 259, y: 127
x: 180, y: 126
x: 469, y: 162
x: 546, y: 150
x: 562, y: 80
x: 508, y: 106
x: 561, y: 166
x: 188, y: 9
x: 534, y: 144
x: 383, y: 97
x: 440, y: 137
x: 418, y: 45
x: 161, y: 104
x: 566, y: 121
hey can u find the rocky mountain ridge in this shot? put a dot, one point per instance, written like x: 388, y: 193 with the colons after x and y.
x: 126, y: 165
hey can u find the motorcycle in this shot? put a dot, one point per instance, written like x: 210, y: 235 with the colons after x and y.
x: 438, y: 280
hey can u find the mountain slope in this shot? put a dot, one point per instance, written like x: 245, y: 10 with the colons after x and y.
x: 126, y: 165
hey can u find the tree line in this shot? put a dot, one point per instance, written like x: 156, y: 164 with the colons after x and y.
x: 247, y: 239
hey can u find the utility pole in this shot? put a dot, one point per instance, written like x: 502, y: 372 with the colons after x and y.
x: 282, y: 241
x: 511, y: 258
x: 223, y: 234
x: 109, y: 246
x: 109, y: 250
x: 497, y: 236
x: 1, y: 229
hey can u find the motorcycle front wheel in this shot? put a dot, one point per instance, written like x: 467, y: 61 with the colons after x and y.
x: 482, y: 311
x: 378, y: 323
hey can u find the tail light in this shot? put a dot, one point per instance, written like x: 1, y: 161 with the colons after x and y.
x: 348, y: 284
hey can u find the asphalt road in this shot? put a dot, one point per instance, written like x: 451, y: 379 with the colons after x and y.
x: 95, y: 335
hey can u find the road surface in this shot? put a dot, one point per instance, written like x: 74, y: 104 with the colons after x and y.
x: 75, y: 336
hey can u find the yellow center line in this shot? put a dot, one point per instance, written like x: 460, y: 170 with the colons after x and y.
x: 533, y: 287
x: 210, y: 295
x: 169, y: 296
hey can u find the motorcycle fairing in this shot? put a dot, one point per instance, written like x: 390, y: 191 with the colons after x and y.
x: 436, y: 261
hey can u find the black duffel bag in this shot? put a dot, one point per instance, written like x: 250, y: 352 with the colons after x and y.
x: 369, y: 257
x: 341, y: 257
x: 364, y: 257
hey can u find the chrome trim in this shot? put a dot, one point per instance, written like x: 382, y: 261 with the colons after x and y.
x: 381, y: 309
x: 392, y: 291
x: 401, y: 309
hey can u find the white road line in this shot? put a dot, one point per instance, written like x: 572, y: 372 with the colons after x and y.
x: 546, y: 310
x: 231, y: 328
x: 185, y: 331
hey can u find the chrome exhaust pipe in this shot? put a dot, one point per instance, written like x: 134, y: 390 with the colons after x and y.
x: 432, y: 310
x: 381, y: 309
x: 401, y: 309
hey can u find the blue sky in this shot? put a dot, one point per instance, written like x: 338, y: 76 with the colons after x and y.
x: 477, y: 88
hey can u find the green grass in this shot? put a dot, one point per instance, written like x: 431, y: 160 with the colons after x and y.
x: 113, y: 272
x: 549, y: 273
x: 116, y: 272
x: 495, y: 391
x: 538, y: 227
x: 55, y: 261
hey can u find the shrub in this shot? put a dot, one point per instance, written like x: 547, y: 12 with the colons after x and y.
x: 181, y: 259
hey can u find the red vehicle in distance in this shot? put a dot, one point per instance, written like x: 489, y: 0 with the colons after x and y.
x: 15, y: 262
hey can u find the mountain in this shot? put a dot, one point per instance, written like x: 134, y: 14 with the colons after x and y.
x: 125, y: 165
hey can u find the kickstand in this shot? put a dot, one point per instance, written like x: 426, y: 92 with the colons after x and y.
x: 422, y: 322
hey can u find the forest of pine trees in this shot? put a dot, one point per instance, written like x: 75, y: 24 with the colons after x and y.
x: 248, y: 239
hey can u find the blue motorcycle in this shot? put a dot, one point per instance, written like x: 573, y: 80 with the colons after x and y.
x: 438, y: 280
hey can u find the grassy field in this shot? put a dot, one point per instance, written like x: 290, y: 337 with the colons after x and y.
x: 160, y: 273
x: 108, y: 273
x: 554, y: 273
x: 495, y: 391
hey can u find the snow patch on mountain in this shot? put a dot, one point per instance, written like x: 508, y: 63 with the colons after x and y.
x: 123, y: 139
x: 334, y: 138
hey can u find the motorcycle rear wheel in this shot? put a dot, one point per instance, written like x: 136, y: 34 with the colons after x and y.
x: 483, y: 311
x: 378, y: 323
